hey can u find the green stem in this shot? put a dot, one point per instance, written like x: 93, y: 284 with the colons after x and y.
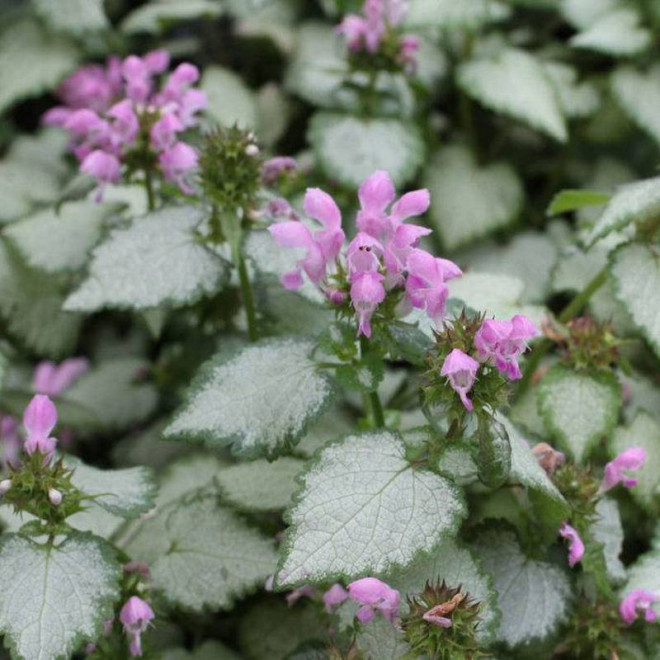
x: 570, y: 311
x: 374, y: 400
x: 246, y: 292
x: 149, y: 187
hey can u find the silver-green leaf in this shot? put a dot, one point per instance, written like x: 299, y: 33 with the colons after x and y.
x: 350, y: 148
x: 257, y: 402
x: 579, y: 409
x: 157, y: 260
x: 363, y: 508
x: 53, y: 598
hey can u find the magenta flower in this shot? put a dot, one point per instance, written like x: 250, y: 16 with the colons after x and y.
x: 10, y: 442
x: 461, y: 371
x: 104, y: 167
x: 639, y: 601
x: 631, y: 459
x: 176, y: 163
x: 135, y: 616
x: 367, y: 32
x: 367, y: 292
x: 53, y: 379
x: 275, y: 167
x: 39, y: 420
x: 321, y: 247
x: 106, y: 130
x: 575, y: 545
x: 334, y: 597
x: 502, y: 342
x: 374, y: 595
x: 363, y: 255
x: 426, y: 286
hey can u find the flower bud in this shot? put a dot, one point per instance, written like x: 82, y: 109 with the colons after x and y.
x: 54, y: 496
x: 5, y: 485
x: 252, y: 150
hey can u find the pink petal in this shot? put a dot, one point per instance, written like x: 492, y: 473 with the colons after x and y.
x: 40, y: 416
x: 320, y: 206
x: 377, y: 192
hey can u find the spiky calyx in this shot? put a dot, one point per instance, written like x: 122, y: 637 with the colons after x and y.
x: 595, y: 632
x: 490, y: 390
x: 230, y: 170
x: 442, y: 623
x: 32, y: 486
x: 589, y: 344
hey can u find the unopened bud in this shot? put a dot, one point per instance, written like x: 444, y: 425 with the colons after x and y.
x: 5, y: 485
x: 252, y: 150
x: 54, y: 496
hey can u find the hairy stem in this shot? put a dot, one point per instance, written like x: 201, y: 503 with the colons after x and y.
x: 246, y: 292
x: 372, y: 398
x: 149, y: 187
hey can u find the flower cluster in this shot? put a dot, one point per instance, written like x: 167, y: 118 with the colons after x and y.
x: 371, y: 594
x: 499, y: 343
x: 374, y: 31
x: 639, y: 601
x: 118, y: 116
x: 382, y: 259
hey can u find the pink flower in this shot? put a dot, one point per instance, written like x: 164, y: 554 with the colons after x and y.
x: 426, y: 283
x: 437, y: 619
x: 104, y: 167
x: 408, y: 47
x: 575, y: 545
x: 461, y: 371
x: 375, y: 194
x: 321, y: 247
x: 126, y: 125
x: 630, y: 459
x: 135, y: 616
x: 367, y: 292
x: 53, y: 379
x: 374, y: 595
x: 294, y: 596
x: 504, y: 341
x: 177, y: 162
x: 363, y: 255
x: 274, y: 167
x: 39, y: 420
x: 164, y: 132
x: 137, y: 76
x: 10, y: 442
x: 639, y: 601
x: 334, y: 597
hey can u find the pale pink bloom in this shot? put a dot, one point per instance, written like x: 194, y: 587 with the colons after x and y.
x: 357, y: 33
x: 367, y: 292
x: 176, y: 163
x: 408, y: 48
x: 39, y: 420
x: 104, y: 167
x: 374, y: 595
x: 335, y: 296
x: 137, y: 76
x: 321, y: 247
x: 163, y: 133
x: 294, y: 596
x: 426, y: 286
x: 53, y: 379
x: 156, y: 61
x: 502, y: 342
x: 437, y: 619
x: 274, y: 167
x: 631, y: 459
x: 126, y: 125
x: 190, y: 103
x: 376, y: 193
x: 639, y: 601
x: 363, y: 255
x: 279, y: 208
x: 55, y: 496
x: 461, y: 371
x: 10, y: 442
x: 575, y: 544
x: 334, y: 597
x: 135, y: 616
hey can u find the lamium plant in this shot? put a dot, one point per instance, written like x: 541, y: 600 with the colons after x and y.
x: 329, y: 329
